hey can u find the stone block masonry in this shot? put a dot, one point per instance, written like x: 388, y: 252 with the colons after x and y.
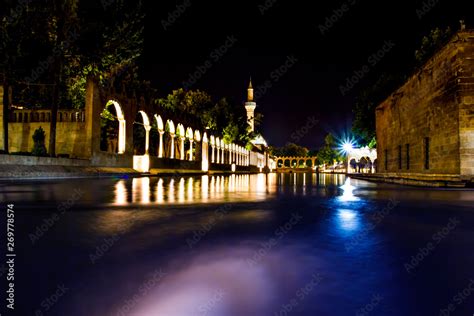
x: 426, y: 127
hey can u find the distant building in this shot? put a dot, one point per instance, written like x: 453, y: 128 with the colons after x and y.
x: 250, y: 106
x: 425, y: 129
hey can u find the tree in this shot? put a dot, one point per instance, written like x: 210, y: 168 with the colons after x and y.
x: 223, y: 116
x: 289, y: 150
x: 329, y: 153
x: 431, y: 43
x: 12, y: 36
x: 39, y: 149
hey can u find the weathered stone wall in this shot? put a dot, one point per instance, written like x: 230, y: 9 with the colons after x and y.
x: 70, y: 137
x: 466, y: 107
x: 428, y: 105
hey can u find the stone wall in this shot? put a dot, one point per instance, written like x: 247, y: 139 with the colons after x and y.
x: 70, y: 137
x: 429, y: 106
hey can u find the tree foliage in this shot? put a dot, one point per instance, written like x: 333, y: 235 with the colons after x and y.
x: 431, y: 43
x: 329, y: 153
x: 222, y: 116
x: 289, y: 150
x: 39, y: 148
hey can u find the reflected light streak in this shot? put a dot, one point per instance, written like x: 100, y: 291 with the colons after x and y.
x: 205, y: 187
x: 160, y: 192
x: 347, y: 219
x: 171, y: 191
x: 347, y: 190
x: 190, y: 189
x: 181, y: 191
x: 120, y: 193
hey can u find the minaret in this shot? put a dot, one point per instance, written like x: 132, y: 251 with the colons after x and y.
x: 250, y: 106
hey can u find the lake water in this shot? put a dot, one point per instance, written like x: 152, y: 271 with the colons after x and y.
x: 277, y: 244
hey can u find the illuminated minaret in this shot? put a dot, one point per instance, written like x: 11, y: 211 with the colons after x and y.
x: 250, y: 106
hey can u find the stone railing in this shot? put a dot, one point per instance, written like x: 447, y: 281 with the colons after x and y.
x: 30, y: 116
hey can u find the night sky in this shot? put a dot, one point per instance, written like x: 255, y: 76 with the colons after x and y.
x: 288, y: 32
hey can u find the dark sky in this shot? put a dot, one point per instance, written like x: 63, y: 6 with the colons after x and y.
x: 310, y: 87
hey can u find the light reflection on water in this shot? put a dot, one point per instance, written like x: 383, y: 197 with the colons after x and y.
x: 172, y: 223
x: 207, y: 188
x: 194, y: 189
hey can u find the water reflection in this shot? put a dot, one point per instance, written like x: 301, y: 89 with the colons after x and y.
x: 120, y: 193
x: 347, y: 220
x: 217, y: 188
x: 348, y: 189
x: 187, y: 189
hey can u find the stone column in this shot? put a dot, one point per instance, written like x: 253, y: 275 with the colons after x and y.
x: 190, y: 150
x: 181, y: 147
x: 147, y: 139
x: 172, y: 146
x: 160, y: 149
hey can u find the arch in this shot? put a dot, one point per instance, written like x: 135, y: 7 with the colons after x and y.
x: 189, y: 133
x: 301, y: 163
x: 141, y: 134
x: 309, y: 163
x: 197, y: 136
x: 180, y: 130
x: 159, y: 123
x: 169, y: 127
x: 170, y: 131
x: 146, y: 121
x: 294, y: 163
x: 113, y: 130
x: 353, y: 164
x: 181, y: 133
x: 287, y: 163
x: 280, y: 163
